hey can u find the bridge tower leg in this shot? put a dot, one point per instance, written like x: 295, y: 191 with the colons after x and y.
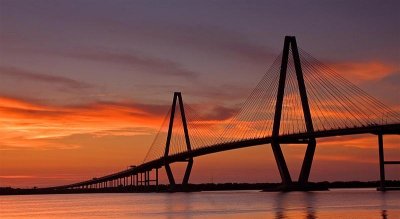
x: 290, y: 42
x: 177, y: 98
x: 309, y: 155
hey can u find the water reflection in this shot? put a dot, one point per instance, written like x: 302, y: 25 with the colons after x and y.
x: 213, y: 205
x: 280, y: 206
x: 283, y: 201
x: 302, y: 205
x: 310, y: 205
x: 305, y: 205
x: 178, y: 208
x: 384, y: 213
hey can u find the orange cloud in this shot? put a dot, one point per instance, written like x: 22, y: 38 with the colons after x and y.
x: 359, y: 72
x: 27, y: 124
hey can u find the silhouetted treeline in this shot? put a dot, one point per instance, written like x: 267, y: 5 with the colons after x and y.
x: 200, y: 187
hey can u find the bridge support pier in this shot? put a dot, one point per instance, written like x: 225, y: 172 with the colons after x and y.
x: 156, y: 177
x: 169, y: 175
x: 307, y: 162
x: 381, y: 163
x: 147, y: 174
x: 280, y: 161
x: 189, y: 166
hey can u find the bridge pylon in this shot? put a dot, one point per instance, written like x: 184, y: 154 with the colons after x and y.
x: 290, y: 44
x: 177, y: 99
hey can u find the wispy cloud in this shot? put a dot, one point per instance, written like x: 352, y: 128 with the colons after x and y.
x: 16, y: 177
x: 218, y: 113
x: 20, y: 74
x: 212, y: 39
x: 137, y: 60
x: 386, y: 89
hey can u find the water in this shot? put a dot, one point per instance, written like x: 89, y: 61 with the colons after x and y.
x: 344, y: 203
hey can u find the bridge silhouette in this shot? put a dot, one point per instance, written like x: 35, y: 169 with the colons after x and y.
x: 298, y: 101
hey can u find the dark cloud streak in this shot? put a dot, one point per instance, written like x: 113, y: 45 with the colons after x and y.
x: 146, y: 63
x: 212, y: 39
x: 16, y: 73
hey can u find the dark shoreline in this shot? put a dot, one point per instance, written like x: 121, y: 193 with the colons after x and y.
x: 202, y: 187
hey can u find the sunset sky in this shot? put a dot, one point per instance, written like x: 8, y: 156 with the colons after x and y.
x: 85, y: 85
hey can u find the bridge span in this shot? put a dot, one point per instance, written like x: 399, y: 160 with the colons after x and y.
x: 298, y: 101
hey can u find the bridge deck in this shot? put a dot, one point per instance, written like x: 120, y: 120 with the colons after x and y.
x: 292, y: 138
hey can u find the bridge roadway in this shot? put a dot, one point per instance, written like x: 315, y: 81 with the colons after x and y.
x: 284, y: 139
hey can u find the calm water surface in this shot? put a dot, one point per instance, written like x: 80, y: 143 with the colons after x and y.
x: 346, y: 203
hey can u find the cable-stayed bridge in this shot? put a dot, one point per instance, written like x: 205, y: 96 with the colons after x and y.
x: 298, y: 101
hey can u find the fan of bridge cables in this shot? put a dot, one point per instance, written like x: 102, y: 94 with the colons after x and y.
x: 335, y: 103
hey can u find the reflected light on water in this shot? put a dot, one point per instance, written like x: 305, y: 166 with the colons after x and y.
x: 354, y: 203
